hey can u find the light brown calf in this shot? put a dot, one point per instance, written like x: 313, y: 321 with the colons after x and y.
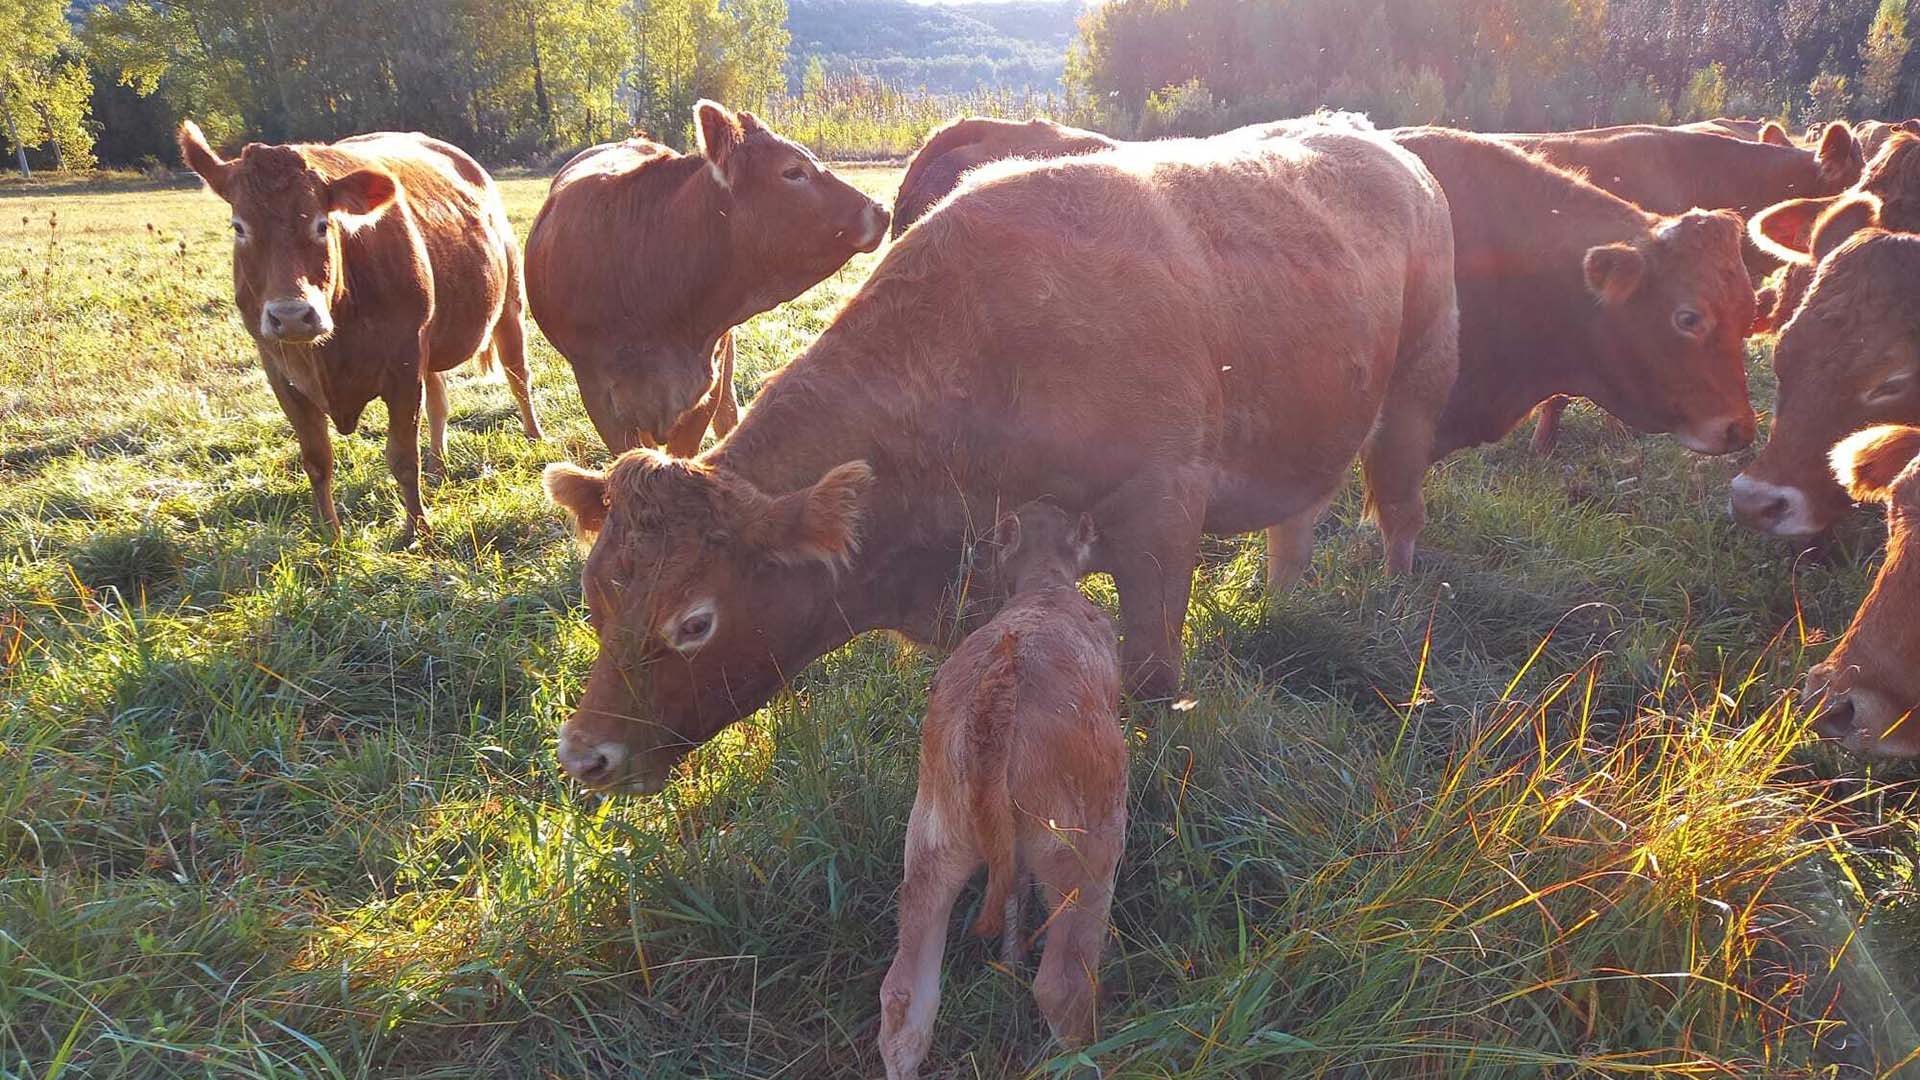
x: 1869, y: 687
x: 365, y: 269
x: 1023, y: 768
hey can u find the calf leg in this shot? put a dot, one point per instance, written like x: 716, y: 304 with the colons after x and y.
x: 937, y: 867
x: 1150, y: 540
x: 1290, y: 547
x: 403, y: 455
x: 316, y: 447
x: 435, y: 385
x: 1077, y: 883
x: 510, y: 348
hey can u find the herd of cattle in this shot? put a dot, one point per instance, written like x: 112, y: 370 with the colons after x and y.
x: 1170, y: 338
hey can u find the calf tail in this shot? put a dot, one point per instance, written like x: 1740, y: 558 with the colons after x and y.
x: 990, y: 731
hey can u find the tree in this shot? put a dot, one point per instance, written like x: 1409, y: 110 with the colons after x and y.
x: 690, y: 49
x: 44, y: 88
x: 1882, y: 56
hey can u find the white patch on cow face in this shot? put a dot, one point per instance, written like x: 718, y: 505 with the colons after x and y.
x: 719, y: 175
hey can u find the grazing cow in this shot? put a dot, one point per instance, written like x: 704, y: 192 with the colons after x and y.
x: 1566, y: 289
x: 937, y: 166
x: 1873, y: 134
x: 1850, y: 355
x: 1181, y: 337
x: 366, y: 269
x: 1023, y: 768
x: 1869, y: 686
x: 642, y: 260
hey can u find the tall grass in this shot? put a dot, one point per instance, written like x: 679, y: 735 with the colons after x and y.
x: 853, y: 117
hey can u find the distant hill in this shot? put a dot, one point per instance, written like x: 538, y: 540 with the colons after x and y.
x: 1016, y: 44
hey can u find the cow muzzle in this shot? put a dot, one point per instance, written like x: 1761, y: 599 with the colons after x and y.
x: 606, y: 765
x: 870, y: 230
x: 1717, y: 437
x: 294, y: 321
x: 1772, y: 508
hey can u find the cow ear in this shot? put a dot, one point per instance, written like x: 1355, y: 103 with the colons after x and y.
x: 1006, y: 535
x: 361, y: 193
x: 749, y: 123
x: 1839, y: 156
x: 214, y: 169
x: 1786, y: 229
x: 1773, y: 134
x: 721, y: 134
x: 1841, y: 221
x: 582, y: 493
x: 1085, y: 536
x: 1766, y: 309
x: 1870, y: 463
x: 820, y: 524
x: 1613, y: 271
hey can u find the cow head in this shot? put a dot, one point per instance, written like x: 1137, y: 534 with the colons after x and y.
x: 287, y: 219
x: 1849, y: 357
x: 789, y: 214
x: 1838, y: 159
x: 1671, y: 319
x: 706, y: 593
x: 1869, y: 688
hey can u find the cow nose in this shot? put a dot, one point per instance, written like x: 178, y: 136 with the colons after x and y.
x: 1836, y: 720
x: 1740, y: 433
x: 295, y: 319
x: 594, y: 766
x: 1759, y: 504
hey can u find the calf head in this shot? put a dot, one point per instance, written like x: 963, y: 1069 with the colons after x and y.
x: 1849, y: 357
x: 287, y: 219
x: 791, y: 218
x: 706, y: 595
x: 1869, y: 688
x: 1040, y: 545
x: 1670, y: 325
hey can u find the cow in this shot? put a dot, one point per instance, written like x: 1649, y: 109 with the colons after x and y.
x: 935, y: 169
x: 1850, y: 354
x: 1868, y: 689
x: 642, y: 260
x: 1873, y: 134
x: 1178, y: 338
x: 1023, y: 768
x: 1765, y: 131
x: 368, y: 268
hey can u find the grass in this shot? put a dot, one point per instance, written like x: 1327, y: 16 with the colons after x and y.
x: 273, y: 807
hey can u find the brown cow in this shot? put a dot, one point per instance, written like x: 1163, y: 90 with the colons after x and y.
x: 1869, y: 687
x: 643, y: 259
x: 1873, y: 134
x: 936, y: 167
x: 1566, y: 289
x: 365, y: 269
x: 1182, y: 337
x: 1847, y: 357
x: 1023, y: 768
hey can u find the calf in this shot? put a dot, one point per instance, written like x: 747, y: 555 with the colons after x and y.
x: 366, y: 269
x: 948, y: 153
x: 1023, y: 768
x: 642, y: 260
x: 1850, y: 354
x: 1869, y: 688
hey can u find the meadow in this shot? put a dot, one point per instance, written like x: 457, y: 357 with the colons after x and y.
x: 278, y: 806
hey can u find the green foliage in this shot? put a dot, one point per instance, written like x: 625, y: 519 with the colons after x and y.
x: 1883, y: 55
x: 44, y: 87
x: 853, y: 117
x: 941, y: 48
x: 691, y: 49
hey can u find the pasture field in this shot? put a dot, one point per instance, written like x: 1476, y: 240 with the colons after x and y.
x: 272, y: 806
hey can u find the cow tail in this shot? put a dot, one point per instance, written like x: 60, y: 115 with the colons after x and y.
x: 989, y: 805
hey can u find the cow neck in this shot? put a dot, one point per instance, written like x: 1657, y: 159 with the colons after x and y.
x: 722, y: 291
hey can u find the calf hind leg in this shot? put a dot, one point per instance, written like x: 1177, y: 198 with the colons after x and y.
x: 910, y: 994
x: 1077, y: 884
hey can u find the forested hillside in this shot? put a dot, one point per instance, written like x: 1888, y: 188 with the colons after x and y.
x: 941, y: 47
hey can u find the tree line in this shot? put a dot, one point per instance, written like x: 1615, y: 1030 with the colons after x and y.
x: 1150, y: 67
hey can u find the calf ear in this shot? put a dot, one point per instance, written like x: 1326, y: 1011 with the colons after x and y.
x: 582, y: 493
x: 1766, y: 310
x: 721, y: 134
x: 1085, y: 536
x: 1839, y: 156
x: 1006, y: 535
x: 1786, y: 229
x: 821, y: 523
x: 214, y: 169
x: 362, y: 193
x: 1841, y: 221
x: 1773, y: 134
x: 1869, y: 463
x: 1613, y: 271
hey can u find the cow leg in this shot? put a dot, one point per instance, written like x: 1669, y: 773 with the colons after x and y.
x: 1077, y: 883
x: 726, y: 413
x: 316, y: 447
x: 435, y: 385
x: 1546, y: 431
x: 403, y: 455
x: 510, y: 349
x: 937, y: 868
x: 1290, y: 547
x: 1150, y: 537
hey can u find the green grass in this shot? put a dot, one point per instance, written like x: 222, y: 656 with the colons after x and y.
x: 274, y: 806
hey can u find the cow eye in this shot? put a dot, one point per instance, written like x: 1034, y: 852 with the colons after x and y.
x: 239, y: 229
x: 794, y: 173
x: 1891, y: 388
x: 320, y: 226
x: 692, y: 630
x: 1689, y: 322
